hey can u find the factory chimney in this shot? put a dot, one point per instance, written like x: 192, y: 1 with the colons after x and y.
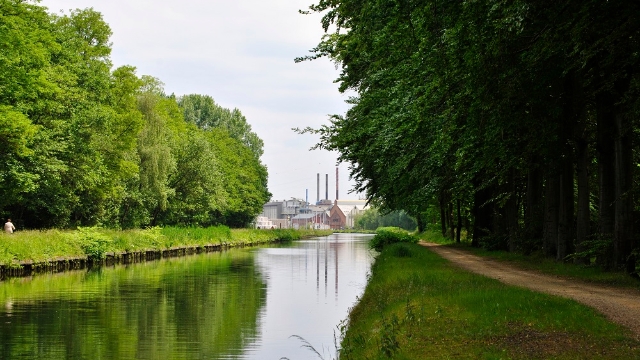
x: 326, y: 191
x: 318, y: 188
x: 337, y: 183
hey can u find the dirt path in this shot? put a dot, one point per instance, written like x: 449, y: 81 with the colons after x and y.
x: 619, y: 305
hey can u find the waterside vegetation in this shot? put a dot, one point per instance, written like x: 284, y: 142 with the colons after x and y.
x: 95, y: 243
x: 417, y: 305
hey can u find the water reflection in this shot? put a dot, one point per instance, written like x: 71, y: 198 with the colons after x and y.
x: 185, y: 308
x: 310, y: 288
x: 240, y: 304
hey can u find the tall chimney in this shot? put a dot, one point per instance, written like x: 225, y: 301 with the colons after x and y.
x: 318, y: 187
x: 337, y: 181
x: 326, y: 191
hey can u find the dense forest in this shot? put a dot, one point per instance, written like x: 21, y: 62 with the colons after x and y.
x: 85, y: 144
x: 521, y: 116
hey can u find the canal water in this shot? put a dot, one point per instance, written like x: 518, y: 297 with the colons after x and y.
x: 254, y: 303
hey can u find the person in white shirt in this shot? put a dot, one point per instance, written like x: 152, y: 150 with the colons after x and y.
x: 8, y: 227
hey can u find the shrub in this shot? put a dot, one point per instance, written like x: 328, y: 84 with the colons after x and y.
x: 390, y: 235
x: 93, y: 242
x: 287, y: 234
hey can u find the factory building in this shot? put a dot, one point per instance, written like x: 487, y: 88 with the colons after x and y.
x: 324, y: 214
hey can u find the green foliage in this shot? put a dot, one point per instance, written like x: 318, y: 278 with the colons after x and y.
x: 482, y: 103
x: 202, y: 111
x: 244, y: 178
x: 598, y: 246
x: 389, y: 235
x: 94, y: 242
x: 372, y: 219
x: 87, y: 145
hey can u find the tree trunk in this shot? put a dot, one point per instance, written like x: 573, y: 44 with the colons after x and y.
x: 565, y: 208
x: 512, y: 213
x: 623, y: 232
x: 459, y: 222
x: 420, y: 222
x: 450, y: 216
x: 443, y: 219
x: 583, y: 213
x: 606, y: 169
x: 582, y: 170
x: 482, y: 214
x: 550, y: 229
x: 533, y: 214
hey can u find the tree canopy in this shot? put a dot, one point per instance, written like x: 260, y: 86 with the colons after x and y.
x: 86, y: 144
x: 520, y: 115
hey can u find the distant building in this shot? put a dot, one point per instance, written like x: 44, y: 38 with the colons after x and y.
x: 351, y: 209
x: 272, y: 210
x: 262, y: 222
x: 325, y: 214
x: 280, y: 213
x: 310, y: 221
x: 337, y: 219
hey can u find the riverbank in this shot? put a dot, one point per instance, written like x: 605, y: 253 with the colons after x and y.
x: 28, y: 252
x: 418, y: 305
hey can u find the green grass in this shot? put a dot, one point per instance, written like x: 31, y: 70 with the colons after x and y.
x: 546, y: 265
x: 418, y: 306
x: 42, y: 246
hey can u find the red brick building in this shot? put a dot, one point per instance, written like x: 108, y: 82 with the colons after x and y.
x: 337, y: 219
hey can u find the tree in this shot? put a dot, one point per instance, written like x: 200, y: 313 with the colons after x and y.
x: 492, y: 104
x: 202, y: 111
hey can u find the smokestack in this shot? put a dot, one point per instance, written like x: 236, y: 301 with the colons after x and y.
x: 326, y: 193
x: 318, y: 187
x: 337, y: 181
x: 306, y: 200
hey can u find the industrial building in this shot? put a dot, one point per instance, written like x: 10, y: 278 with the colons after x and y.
x: 324, y: 214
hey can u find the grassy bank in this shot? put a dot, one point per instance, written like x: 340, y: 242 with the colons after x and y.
x: 417, y: 306
x: 42, y: 246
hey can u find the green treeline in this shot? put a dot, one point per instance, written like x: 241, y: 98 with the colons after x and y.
x: 521, y: 116
x: 372, y: 219
x: 84, y: 144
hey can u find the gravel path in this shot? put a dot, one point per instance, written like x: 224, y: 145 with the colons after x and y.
x: 621, y: 306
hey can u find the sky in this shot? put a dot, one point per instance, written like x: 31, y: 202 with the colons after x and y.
x: 241, y: 54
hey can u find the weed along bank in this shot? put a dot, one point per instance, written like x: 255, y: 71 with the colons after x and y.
x: 28, y: 252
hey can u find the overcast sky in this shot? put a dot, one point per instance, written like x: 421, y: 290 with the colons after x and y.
x: 240, y: 53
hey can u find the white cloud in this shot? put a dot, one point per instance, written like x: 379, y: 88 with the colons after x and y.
x: 241, y: 53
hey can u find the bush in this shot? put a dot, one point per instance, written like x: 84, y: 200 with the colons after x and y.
x: 94, y: 243
x: 287, y: 234
x: 390, y: 235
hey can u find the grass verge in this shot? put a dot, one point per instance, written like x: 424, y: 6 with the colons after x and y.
x: 418, y: 306
x: 43, y: 246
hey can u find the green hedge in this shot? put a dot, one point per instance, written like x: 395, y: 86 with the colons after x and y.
x: 391, y: 235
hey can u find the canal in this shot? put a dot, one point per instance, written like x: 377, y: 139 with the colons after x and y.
x: 253, y: 303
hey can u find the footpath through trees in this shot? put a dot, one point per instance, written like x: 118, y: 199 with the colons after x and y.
x: 621, y: 306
